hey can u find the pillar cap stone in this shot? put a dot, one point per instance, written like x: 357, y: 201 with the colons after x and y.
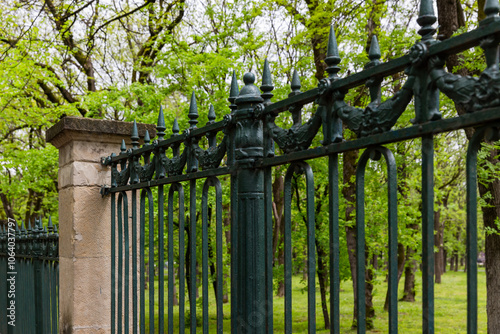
x: 89, y: 129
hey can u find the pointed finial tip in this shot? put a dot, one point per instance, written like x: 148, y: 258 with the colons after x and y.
x: 332, y: 49
x: 175, y: 126
x: 374, y: 52
x: 211, y: 113
x: 193, y: 108
x: 161, y: 118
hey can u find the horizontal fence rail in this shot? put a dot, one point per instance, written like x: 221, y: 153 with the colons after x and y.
x: 245, y: 157
x: 29, y: 278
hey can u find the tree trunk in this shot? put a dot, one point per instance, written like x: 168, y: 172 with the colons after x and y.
x: 211, y: 257
x: 322, y: 256
x: 411, y: 267
x: 175, y: 300
x: 323, y: 280
x: 7, y: 207
x: 449, y: 16
x: 349, y: 191
x: 445, y: 259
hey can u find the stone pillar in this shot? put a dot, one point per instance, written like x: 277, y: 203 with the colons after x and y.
x: 85, y: 219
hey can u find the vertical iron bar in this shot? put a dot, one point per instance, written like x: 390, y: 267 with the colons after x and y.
x: 171, y: 279
x: 268, y: 191
x: 46, y: 296
x: 213, y: 181
x: 311, y: 250
x: 178, y: 187
x: 113, y: 260
x: 53, y: 297
x: 471, y: 175
x: 360, y: 242
x: 204, y: 254
x: 231, y: 157
x: 234, y: 249
x: 428, y: 234
x: 161, y: 264
x: 333, y: 191
x: 142, y: 257
x: 126, y: 302
x: 120, y: 264
x: 393, y: 238
x: 288, y: 249
x: 192, y: 251
x: 57, y: 297
x: 182, y: 264
x: 151, y: 264
x: 134, y: 261
x: 218, y: 231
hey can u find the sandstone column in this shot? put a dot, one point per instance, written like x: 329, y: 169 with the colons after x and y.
x: 85, y: 219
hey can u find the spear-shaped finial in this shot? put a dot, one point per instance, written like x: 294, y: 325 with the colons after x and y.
x: 175, y: 132
x: 135, y: 136
x: 332, y: 55
x: 295, y: 84
x: 295, y: 110
x: 193, y: 112
x: 50, y: 226
x: 123, y: 147
x: 211, y: 114
x: 374, y: 52
x: 233, y: 92
x: 426, y: 19
x: 267, y: 84
x: 175, y: 127
x: 147, y: 139
x: 160, y: 127
x: 211, y: 136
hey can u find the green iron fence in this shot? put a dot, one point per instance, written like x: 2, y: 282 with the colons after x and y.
x: 29, y: 278
x: 247, y: 154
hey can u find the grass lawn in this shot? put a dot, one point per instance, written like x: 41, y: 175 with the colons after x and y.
x: 450, y: 308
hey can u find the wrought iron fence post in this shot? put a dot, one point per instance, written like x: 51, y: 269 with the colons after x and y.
x: 250, y: 262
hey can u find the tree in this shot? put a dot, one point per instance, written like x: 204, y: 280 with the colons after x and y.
x: 450, y: 19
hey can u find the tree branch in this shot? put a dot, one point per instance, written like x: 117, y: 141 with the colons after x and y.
x: 120, y: 17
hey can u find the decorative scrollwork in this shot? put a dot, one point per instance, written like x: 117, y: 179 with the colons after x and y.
x: 146, y: 172
x: 119, y: 178
x: 375, y: 118
x: 212, y: 157
x: 175, y: 166
x: 298, y: 137
x: 470, y: 93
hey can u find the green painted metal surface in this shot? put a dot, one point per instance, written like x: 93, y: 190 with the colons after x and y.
x: 248, y: 153
x: 29, y: 257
